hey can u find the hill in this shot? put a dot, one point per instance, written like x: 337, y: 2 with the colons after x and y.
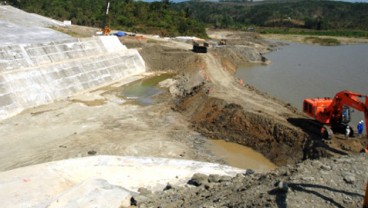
x: 316, y: 15
x: 191, y: 17
x: 155, y: 17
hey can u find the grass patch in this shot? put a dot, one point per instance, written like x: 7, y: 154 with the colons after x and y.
x: 322, y: 41
x: 74, y: 32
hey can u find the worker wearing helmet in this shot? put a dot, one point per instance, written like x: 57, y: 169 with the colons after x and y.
x: 347, y: 132
x: 360, y: 128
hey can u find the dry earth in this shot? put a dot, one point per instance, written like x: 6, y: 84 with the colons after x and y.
x: 98, y: 122
x: 206, y: 101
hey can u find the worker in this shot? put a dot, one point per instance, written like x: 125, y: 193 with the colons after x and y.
x: 347, y: 132
x: 323, y: 133
x: 360, y: 128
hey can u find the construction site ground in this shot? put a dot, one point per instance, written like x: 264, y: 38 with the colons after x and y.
x: 202, y: 100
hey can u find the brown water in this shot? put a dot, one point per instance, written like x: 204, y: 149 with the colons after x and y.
x: 240, y: 156
x: 299, y: 71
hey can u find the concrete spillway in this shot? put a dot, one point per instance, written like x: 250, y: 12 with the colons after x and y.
x: 99, y: 181
x: 40, y: 73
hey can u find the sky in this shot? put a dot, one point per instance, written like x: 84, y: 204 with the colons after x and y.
x: 362, y: 1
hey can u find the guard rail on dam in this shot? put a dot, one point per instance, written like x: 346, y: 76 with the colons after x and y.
x: 37, y: 74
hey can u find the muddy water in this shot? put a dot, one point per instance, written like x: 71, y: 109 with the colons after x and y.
x: 300, y: 71
x: 240, y: 156
x: 143, y: 91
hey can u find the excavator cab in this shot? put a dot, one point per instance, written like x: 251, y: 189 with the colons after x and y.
x: 345, y: 116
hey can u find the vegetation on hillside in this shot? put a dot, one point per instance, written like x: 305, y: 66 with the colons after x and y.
x: 155, y: 17
x: 339, y: 18
x: 307, y: 17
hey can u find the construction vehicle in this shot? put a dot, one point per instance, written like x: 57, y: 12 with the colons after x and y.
x: 222, y: 42
x: 200, y: 45
x: 334, y: 113
x: 106, y: 28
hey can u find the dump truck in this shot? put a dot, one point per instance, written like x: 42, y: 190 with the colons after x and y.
x: 200, y: 45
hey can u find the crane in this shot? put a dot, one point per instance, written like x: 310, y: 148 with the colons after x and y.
x: 106, y: 28
x: 335, y: 112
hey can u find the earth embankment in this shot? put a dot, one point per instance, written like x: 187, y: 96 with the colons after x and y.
x: 222, y: 108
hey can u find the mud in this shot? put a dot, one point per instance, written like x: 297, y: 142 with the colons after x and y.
x: 240, y: 156
x: 215, y: 118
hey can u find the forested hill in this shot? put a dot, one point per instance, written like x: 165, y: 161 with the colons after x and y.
x: 156, y: 18
x: 191, y: 18
x: 318, y: 15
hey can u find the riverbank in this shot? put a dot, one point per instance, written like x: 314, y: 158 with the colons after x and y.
x: 308, y: 39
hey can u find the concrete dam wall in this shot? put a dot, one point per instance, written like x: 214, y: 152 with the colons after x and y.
x: 37, y: 74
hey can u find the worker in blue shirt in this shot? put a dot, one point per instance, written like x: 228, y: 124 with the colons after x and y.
x: 360, y: 128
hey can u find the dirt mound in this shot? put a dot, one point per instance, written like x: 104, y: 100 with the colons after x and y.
x: 218, y: 119
x: 165, y: 58
x: 234, y: 56
x: 326, y: 183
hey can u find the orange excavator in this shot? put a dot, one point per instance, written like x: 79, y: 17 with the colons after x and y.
x: 334, y: 113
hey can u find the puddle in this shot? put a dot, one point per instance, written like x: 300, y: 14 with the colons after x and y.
x: 143, y: 91
x: 240, y: 156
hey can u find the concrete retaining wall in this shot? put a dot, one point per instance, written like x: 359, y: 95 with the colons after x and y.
x: 37, y: 74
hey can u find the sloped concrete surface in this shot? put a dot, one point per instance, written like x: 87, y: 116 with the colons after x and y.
x: 20, y: 27
x: 22, y: 18
x: 37, y: 74
x: 15, y: 34
x: 39, y: 65
x: 84, y: 182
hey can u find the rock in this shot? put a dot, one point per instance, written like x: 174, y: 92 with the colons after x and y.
x: 308, y: 178
x: 347, y: 199
x: 214, y: 178
x: 198, y: 179
x: 168, y: 187
x: 225, y: 179
x: 326, y: 167
x: 144, y: 191
x: 138, y: 200
x: 350, y: 179
x: 91, y: 152
x: 249, y: 172
x: 238, y: 178
x: 316, y: 163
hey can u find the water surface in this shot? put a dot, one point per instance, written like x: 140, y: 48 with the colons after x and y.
x: 240, y: 156
x: 143, y: 91
x: 299, y: 71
